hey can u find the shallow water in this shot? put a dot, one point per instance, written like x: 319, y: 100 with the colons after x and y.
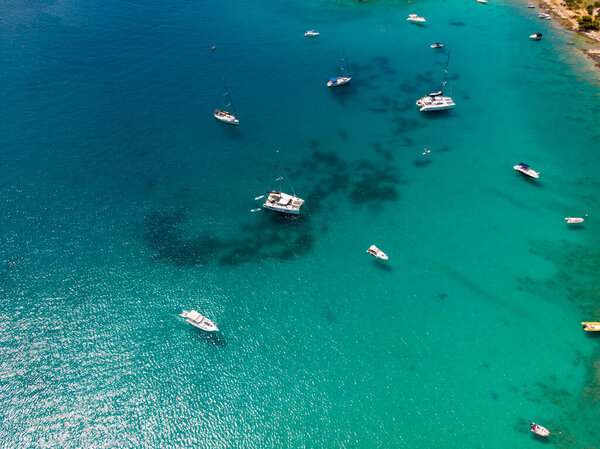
x: 123, y: 202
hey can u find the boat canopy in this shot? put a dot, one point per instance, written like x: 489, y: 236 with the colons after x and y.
x: 334, y: 80
x: 194, y: 316
x: 524, y: 165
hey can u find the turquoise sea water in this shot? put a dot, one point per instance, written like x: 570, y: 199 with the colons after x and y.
x: 122, y: 202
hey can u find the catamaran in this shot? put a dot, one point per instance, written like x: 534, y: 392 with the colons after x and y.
x: 436, y: 101
x: 340, y: 80
x: 285, y: 203
x: 201, y: 322
x: 225, y: 116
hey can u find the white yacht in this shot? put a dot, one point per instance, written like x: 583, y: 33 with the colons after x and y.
x: 414, y: 18
x: 311, y: 33
x: 437, y: 101
x: 225, y: 116
x: 536, y: 36
x: 342, y: 79
x: 201, y: 322
x: 539, y: 430
x: 374, y: 251
x: 526, y: 170
x: 284, y: 203
x: 574, y: 220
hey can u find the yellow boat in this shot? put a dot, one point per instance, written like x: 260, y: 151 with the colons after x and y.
x: 590, y: 326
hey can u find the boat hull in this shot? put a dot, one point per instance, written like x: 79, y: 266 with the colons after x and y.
x: 282, y: 211
x: 591, y: 326
x: 229, y: 119
x: 425, y: 106
x: 340, y: 82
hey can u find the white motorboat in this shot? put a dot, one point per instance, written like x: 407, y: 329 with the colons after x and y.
x: 225, y: 116
x: 573, y: 220
x: 531, y: 6
x: 311, y: 33
x: 414, y: 18
x: 536, y: 36
x: 544, y: 15
x: 283, y: 202
x: 437, y: 101
x: 526, y: 170
x: 482, y: 1
x: 201, y: 322
x: 437, y: 45
x: 374, y: 251
x: 342, y: 79
x: 539, y: 430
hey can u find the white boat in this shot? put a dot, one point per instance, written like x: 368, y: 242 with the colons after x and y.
x: 591, y: 326
x: 342, y: 79
x: 544, y: 15
x: 531, y: 6
x: 225, y: 116
x: 526, y: 170
x: 482, y: 1
x: 374, y: 251
x: 536, y: 36
x: 201, y: 322
x: 311, y: 33
x: 413, y: 18
x: 283, y: 202
x: 539, y: 430
x: 573, y: 220
x: 437, y: 101
x: 437, y: 45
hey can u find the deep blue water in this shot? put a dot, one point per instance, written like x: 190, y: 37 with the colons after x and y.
x: 122, y: 202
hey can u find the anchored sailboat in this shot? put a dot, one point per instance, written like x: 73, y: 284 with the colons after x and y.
x: 341, y: 80
x: 225, y: 116
x: 283, y: 202
x: 436, y: 101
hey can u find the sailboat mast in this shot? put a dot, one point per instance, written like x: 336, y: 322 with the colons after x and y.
x: 344, y: 59
x: 445, y: 73
x: 229, y: 102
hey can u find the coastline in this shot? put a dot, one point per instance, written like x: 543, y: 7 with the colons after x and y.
x: 567, y: 19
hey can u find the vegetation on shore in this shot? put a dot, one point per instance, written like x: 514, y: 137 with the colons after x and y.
x: 591, y: 21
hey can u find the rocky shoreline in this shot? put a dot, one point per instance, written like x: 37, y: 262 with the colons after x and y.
x: 567, y: 18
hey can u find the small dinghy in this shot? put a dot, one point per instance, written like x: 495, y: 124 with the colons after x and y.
x: 536, y: 36
x: 311, y: 33
x: 374, y: 251
x: 526, y: 170
x: 591, y: 326
x: 255, y: 209
x: 531, y: 6
x: 201, y: 322
x: 437, y: 45
x: 539, y: 430
x: 573, y: 220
